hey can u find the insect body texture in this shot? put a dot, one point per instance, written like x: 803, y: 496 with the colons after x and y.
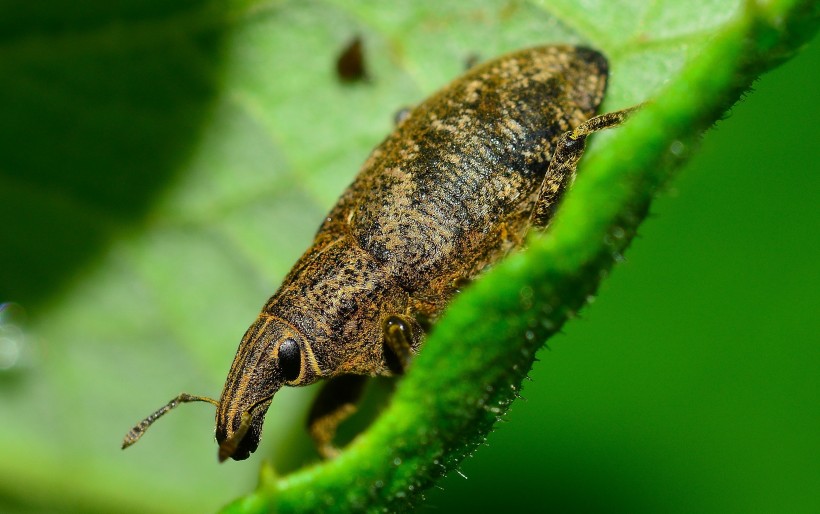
x: 456, y: 186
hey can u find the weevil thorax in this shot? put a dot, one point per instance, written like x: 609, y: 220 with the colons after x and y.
x: 324, y: 321
x: 272, y: 354
x: 338, y: 296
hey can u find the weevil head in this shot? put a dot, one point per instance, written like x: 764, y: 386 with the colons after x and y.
x: 272, y: 354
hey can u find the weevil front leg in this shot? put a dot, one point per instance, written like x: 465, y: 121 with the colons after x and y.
x: 336, y: 402
x: 340, y: 396
x: 568, y: 152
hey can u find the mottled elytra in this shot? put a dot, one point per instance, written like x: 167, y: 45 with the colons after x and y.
x: 454, y: 188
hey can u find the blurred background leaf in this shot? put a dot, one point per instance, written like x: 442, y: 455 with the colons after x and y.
x: 162, y: 166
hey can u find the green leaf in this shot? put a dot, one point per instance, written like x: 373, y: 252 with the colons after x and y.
x: 163, y: 166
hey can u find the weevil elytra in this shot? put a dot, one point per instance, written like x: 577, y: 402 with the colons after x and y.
x: 455, y: 187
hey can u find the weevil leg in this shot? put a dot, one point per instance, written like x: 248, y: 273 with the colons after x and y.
x: 568, y: 152
x: 471, y: 61
x: 398, y: 343
x: 401, y: 115
x: 336, y: 402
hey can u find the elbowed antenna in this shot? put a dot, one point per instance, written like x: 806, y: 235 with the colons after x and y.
x: 135, y: 433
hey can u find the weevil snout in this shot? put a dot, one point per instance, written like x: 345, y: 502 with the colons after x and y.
x: 272, y: 354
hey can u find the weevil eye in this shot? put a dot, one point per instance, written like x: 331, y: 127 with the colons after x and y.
x: 290, y: 359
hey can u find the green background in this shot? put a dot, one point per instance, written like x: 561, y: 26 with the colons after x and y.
x: 195, y: 170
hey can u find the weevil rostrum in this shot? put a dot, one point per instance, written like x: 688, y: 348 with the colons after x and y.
x: 454, y: 188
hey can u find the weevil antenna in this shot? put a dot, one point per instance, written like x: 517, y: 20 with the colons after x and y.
x: 229, y: 445
x: 135, y: 433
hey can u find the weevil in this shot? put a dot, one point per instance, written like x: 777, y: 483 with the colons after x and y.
x: 455, y: 187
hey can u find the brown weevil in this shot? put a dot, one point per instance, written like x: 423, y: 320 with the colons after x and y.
x: 455, y: 187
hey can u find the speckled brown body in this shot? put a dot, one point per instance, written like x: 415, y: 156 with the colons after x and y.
x: 448, y: 193
x: 453, y: 189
